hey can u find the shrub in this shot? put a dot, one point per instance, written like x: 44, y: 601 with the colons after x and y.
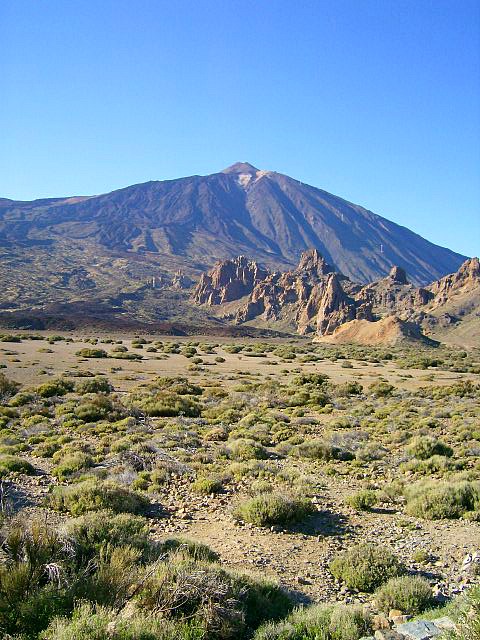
x: 381, y: 389
x: 71, y: 463
x: 313, y: 379
x: 189, y: 549
x: 227, y: 605
x: 274, y: 508
x: 94, y: 385
x: 30, y: 594
x: 322, y: 450
x: 166, y: 404
x: 8, y: 387
x: 410, y: 594
x: 21, y: 399
x: 246, y: 449
x: 12, y: 464
x: 96, y: 495
x: 366, y: 566
x: 363, y: 500
x: 437, y: 500
x: 95, y: 408
x: 96, y: 529
x: 319, y: 622
x: 469, y: 624
x: 54, y: 388
x: 92, y: 353
x: 424, y: 447
x: 206, y: 486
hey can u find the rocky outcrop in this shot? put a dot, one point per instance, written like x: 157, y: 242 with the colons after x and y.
x: 228, y: 280
x: 335, y: 307
x: 394, y: 294
x: 465, y: 279
x: 298, y: 292
x: 315, y: 298
x: 181, y: 281
x: 312, y: 264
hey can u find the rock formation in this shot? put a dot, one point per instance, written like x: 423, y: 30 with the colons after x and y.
x: 228, y: 280
x: 335, y: 307
x: 467, y: 278
x: 314, y: 297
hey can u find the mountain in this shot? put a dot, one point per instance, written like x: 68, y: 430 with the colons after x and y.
x: 190, y: 223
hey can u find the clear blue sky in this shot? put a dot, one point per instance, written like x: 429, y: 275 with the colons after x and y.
x: 377, y: 101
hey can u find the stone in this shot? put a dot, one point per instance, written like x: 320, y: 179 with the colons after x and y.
x: 379, y: 621
x: 394, y: 613
x: 419, y: 630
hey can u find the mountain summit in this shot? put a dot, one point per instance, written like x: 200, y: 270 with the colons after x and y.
x: 241, y: 167
x: 195, y: 221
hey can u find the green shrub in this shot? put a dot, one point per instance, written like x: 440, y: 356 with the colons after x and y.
x: 366, y: 566
x: 381, y: 389
x: 94, y: 385
x: 96, y: 529
x: 227, y: 605
x: 92, y: 353
x: 319, y: 622
x: 96, y: 495
x: 72, y: 463
x: 274, y: 508
x: 206, y: 486
x: 12, y: 464
x: 29, y: 594
x: 424, y: 447
x: 409, y: 594
x: 469, y: 623
x: 21, y: 399
x: 246, y: 449
x: 166, y: 404
x: 189, y: 549
x: 436, y: 500
x: 54, y: 388
x: 8, y: 387
x: 95, y: 408
x: 363, y: 500
x: 322, y: 450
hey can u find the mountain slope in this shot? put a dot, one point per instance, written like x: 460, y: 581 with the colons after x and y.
x: 265, y: 215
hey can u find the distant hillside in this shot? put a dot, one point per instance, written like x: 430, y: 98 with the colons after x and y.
x: 191, y: 222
